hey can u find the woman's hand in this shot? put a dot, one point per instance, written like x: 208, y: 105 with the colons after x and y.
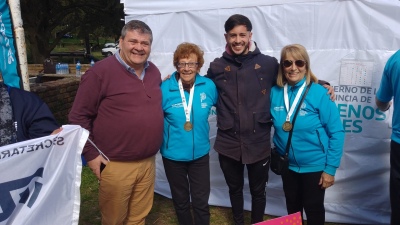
x: 326, y: 180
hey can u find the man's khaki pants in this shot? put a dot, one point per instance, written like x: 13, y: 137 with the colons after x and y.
x: 126, y: 192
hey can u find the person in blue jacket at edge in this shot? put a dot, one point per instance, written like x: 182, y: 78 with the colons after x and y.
x: 389, y: 90
x: 23, y: 116
x: 318, y: 136
x: 187, y: 98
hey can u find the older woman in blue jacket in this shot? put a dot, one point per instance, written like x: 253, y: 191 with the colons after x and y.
x: 318, y: 136
x: 187, y: 101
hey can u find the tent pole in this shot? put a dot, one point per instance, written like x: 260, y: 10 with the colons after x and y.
x: 15, y: 11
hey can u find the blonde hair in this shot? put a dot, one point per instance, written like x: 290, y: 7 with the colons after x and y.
x: 298, y: 52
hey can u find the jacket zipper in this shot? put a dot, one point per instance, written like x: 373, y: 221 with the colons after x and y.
x: 254, y: 122
x: 192, y: 133
x: 169, y: 126
x: 320, y: 142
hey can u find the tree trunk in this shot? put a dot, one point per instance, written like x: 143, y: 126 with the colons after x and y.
x: 37, y: 56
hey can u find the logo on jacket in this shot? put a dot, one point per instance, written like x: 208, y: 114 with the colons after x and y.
x: 257, y: 66
x: 203, y: 97
x: 302, y: 111
x: 279, y: 108
x: 177, y: 105
x: 264, y: 91
x: 228, y: 68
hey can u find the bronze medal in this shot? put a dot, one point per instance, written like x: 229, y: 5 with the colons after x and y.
x: 287, y: 126
x: 188, y: 126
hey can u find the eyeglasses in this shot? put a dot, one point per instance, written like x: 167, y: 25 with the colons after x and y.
x: 189, y: 64
x: 298, y: 63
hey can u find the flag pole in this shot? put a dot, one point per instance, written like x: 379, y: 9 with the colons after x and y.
x: 15, y: 11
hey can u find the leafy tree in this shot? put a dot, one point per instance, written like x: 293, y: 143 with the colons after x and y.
x: 46, y: 21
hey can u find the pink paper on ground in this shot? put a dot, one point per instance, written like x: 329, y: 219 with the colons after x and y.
x: 292, y: 219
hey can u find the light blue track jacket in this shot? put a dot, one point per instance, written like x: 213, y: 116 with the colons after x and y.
x: 389, y: 88
x: 178, y: 144
x: 318, y: 135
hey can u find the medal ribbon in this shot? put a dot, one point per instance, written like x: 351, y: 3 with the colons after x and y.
x: 296, y: 100
x: 186, y: 107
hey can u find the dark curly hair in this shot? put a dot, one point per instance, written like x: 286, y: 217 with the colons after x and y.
x: 237, y: 20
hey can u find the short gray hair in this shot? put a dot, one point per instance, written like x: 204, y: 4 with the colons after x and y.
x: 137, y: 25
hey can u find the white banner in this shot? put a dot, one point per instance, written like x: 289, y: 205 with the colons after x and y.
x: 40, y: 179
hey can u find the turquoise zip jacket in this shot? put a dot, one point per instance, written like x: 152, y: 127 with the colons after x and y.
x: 318, y: 135
x: 179, y: 144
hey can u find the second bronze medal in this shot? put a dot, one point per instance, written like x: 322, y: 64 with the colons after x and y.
x: 287, y: 126
x: 188, y: 126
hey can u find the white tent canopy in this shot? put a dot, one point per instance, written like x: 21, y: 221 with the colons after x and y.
x: 349, y: 42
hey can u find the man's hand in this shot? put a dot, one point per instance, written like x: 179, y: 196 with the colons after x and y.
x: 56, y: 131
x: 331, y: 92
x: 95, y: 165
x: 326, y: 180
x: 167, y: 77
x: 383, y: 106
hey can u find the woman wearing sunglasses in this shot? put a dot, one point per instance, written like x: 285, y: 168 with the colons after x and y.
x: 317, y: 135
x: 187, y: 100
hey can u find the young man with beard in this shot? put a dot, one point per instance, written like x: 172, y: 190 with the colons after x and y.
x: 119, y: 102
x: 244, y: 78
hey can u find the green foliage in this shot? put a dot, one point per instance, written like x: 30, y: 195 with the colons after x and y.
x: 45, y: 22
x: 89, y: 214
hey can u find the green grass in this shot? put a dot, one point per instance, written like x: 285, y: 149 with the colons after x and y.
x: 89, y: 214
x: 162, y: 212
x: 76, y: 44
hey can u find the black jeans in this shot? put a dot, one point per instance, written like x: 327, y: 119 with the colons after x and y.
x: 258, y: 177
x: 395, y: 182
x: 190, y: 181
x: 302, y: 191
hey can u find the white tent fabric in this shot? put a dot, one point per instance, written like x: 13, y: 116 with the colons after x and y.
x: 349, y: 42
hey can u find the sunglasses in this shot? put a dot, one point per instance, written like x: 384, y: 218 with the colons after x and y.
x: 298, y: 63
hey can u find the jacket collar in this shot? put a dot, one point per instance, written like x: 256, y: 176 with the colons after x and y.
x: 298, y: 84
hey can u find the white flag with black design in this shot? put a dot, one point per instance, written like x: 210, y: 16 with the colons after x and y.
x: 40, y: 179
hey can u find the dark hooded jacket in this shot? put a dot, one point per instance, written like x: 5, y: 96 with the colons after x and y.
x: 243, y: 109
x: 32, y: 116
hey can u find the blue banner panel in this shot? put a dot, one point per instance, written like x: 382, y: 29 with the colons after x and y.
x: 8, y: 60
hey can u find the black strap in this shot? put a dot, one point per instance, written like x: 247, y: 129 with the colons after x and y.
x: 294, y: 118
